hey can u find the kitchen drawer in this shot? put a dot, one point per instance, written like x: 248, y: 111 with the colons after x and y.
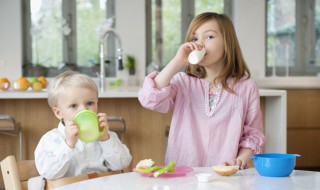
x: 303, y: 108
x: 306, y: 143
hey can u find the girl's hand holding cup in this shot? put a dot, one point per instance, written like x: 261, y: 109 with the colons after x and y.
x: 196, y: 56
x: 190, y: 52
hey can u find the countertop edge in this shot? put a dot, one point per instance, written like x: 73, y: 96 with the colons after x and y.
x: 289, y: 82
x: 269, y: 86
x: 130, y: 92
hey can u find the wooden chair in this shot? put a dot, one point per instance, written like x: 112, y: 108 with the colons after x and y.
x: 68, y: 180
x: 16, y: 175
x: 118, y: 125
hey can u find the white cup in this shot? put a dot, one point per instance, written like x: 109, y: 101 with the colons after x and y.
x: 196, y: 56
x: 204, y: 177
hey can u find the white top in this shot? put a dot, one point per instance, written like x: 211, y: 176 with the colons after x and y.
x: 243, y: 180
x: 55, y: 159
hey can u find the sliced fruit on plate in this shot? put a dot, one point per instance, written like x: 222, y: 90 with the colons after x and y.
x: 168, y: 168
x: 148, y: 170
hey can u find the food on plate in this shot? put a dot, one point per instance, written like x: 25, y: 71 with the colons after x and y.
x: 21, y: 84
x: 168, y: 168
x: 148, y: 170
x: 4, y: 84
x: 146, y: 163
x: 225, y: 170
x: 147, y: 166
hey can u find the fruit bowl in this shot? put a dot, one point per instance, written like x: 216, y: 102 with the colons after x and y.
x: 274, y: 164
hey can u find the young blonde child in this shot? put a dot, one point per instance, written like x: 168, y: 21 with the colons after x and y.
x: 216, y: 106
x: 60, y: 153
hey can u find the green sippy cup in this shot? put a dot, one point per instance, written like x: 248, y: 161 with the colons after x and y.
x: 88, y: 125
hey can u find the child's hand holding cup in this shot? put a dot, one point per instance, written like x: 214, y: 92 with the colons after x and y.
x: 88, y: 124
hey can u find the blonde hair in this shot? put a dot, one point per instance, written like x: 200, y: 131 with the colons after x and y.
x: 69, y: 78
x: 235, y: 65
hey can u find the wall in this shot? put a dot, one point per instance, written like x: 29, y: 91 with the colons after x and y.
x: 10, y: 39
x: 131, y: 26
x: 249, y: 22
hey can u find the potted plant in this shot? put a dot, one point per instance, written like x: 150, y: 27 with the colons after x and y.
x: 131, y: 64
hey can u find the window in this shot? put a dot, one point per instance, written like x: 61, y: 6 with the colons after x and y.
x: 209, y: 5
x: 293, y: 38
x: 62, y: 35
x: 167, y: 24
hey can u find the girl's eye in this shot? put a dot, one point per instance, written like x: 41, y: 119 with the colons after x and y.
x: 209, y: 37
x: 194, y: 39
x: 73, y: 106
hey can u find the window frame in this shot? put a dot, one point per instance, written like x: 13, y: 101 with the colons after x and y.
x: 187, y: 14
x: 302, y: 65
x: 69, y: 45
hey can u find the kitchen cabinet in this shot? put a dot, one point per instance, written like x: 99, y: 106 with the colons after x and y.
x: 304, y: 127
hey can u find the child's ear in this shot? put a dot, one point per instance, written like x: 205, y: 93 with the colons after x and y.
x: 57, y: 112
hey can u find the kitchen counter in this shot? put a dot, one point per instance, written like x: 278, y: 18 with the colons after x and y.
x: 111, y: 92
x: 275, y: 110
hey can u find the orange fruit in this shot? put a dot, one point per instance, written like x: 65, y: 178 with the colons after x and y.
x: 36, y: 86
x: 4, y: 84
x: 43, y: 81
x: 21, y: 84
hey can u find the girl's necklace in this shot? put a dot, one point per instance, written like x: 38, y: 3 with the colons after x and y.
x: 210, y: 110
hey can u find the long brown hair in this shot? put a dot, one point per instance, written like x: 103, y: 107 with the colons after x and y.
x: 234, y: 63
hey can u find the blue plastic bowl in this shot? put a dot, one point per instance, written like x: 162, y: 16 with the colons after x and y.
x: 274, y: 164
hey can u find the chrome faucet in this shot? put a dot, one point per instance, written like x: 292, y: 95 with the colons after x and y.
x: 102, y: 77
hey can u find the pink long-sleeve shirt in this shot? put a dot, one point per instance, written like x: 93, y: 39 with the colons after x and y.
x: 196, y: 139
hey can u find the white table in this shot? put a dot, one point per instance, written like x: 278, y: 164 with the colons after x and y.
x: 242, y: 180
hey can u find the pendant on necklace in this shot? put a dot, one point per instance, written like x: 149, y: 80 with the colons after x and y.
x: 211, y: 109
